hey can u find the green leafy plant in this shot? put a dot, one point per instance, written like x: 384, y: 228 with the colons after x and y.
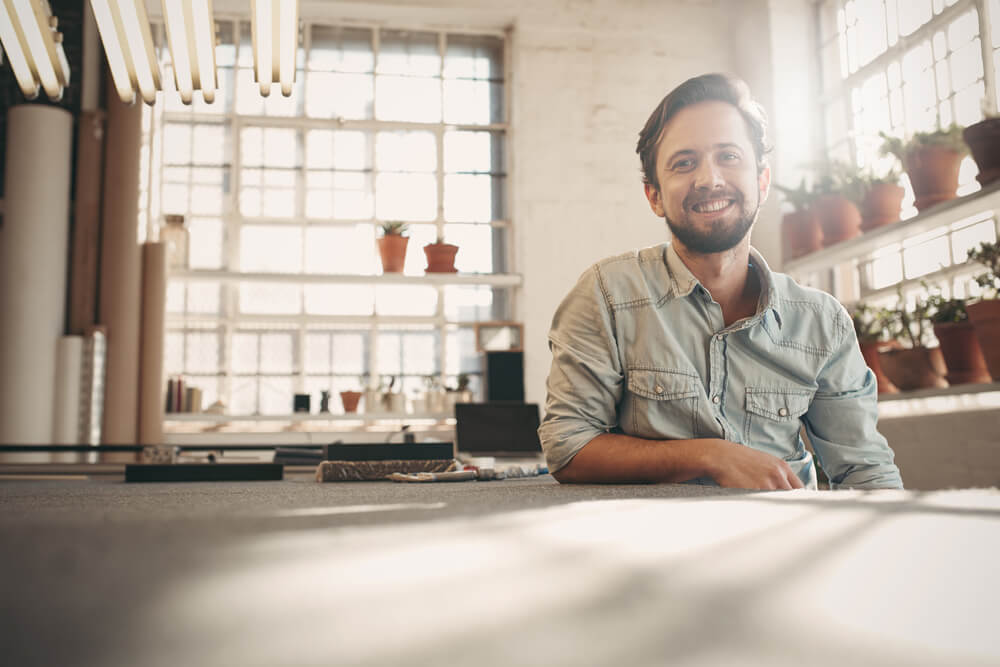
x: 988, y: 254
x: 800, y: 198
x: 946, y: 311
x: 910, y: 325
x: 871, y: 324
x: 394, y: 228
x: 949, y: 137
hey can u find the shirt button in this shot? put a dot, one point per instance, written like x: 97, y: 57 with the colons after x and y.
x: 783, y: 412
x: 716, y: 399
x: 658, y: 389
x: 719, y: 336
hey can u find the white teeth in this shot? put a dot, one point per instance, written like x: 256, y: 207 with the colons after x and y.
x: 712, y: 206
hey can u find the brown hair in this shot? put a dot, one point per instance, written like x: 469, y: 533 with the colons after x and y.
x: 704, y: 88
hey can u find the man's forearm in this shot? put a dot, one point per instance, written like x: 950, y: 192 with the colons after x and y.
x: 613, y: 457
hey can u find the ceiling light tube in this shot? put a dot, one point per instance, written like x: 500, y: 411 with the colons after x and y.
x: 203, y: 38
x: 16, y: 54
x: 261, y: 28
x: 145, y: 69
x: 177, y: 36
x: 112, y: 39
x: 288, y: 44
x: 34, y: 22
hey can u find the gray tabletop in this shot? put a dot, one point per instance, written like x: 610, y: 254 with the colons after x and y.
x: 520, y: 571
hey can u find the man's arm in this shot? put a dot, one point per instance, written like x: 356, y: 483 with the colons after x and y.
x: 585, y: 386
x: 842, y: 418
x: 613, y: 457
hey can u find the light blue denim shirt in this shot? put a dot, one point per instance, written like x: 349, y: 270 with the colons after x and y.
x: 640, y: 347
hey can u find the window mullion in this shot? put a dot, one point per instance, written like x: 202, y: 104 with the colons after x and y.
x: 986, y: 47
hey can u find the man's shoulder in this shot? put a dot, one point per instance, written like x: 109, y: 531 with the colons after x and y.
x: 635, y: 276
x: 795, y: 300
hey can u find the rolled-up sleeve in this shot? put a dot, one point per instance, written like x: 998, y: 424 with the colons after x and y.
x: 585, y: 382
x: 841, y: 422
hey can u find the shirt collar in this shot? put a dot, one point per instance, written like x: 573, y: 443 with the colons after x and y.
x: 684, y: 282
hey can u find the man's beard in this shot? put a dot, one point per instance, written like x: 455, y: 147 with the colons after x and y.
x: 721, y: 235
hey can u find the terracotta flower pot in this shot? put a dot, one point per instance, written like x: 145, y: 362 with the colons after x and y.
x: 914, y: 368
x: 350, y: 400
x: 962, y: 354
x: 801, y: 233
x: 441, y: 257
x: 392, y: 248
x: 838, y: 217
x: 881, y: 205
x: 983, y: 139
x: 870, y: 351
x: 985, y: 317
x: 933, y: 172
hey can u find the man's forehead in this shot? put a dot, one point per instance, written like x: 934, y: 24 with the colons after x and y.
x: 704, y: 126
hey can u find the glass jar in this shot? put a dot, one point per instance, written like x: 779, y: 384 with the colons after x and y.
x: 175, y: 235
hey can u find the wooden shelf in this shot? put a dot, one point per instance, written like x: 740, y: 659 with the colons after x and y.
x: 954, y: 390
x: 489, y: 279
x: 204, y: 417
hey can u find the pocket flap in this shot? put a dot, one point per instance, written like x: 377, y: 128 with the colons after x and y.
x: 776, y: 404
x: 662, y: 385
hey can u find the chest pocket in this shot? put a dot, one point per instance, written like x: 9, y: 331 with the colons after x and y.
x: 772, y: 419
x: 661, y: 405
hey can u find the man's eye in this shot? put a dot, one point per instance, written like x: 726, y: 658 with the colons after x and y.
x: 730, y: 157
x: 682, y: 165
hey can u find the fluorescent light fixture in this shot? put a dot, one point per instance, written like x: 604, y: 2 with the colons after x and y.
x: 191, y: 35
x: 34, y: 47
x: 128, y: 44
x: 275, y: 28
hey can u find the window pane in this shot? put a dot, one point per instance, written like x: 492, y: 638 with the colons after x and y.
x: 340, y: 49
x: 408, y: 52
x: 173, y: 353
x: 475, y: 244
x: 205, y: 248
x: 316, y: 358
x: 202, y: 352
x: 340, y: 250
x: 388, y: 353
x: 461, y: 351
x: 420, y: 353
x: 405, y: 197
x: 349, y: 353
x: 467, y: 304
x: 405, y: 300
x: 339, y: 299
x: 203, y: 297
x: 913, y: 14
x: 245, y: 353
x: 276, y: 395
x: 268, y: 248
x: 341, y: 195
x: 270, y: 298
x: 405, y: 151
x: 408, y: 98
x: 338, y: 149
x: 243, y: 399
x: 276, y: 353
x: 339, y: 95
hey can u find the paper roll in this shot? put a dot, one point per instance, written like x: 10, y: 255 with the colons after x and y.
x: 33, y: 250
x: 154, y: 300
x: 69, y: 366
x: 121, y: 272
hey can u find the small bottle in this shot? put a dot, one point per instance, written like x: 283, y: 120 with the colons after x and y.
x: 175, y: 235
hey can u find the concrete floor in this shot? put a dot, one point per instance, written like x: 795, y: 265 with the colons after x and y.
x: 514, y: 572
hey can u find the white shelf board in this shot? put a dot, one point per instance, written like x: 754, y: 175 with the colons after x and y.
x: 954, y: 390
x: 491, y: 279
x: 203, y: 417
x: 946, y: 213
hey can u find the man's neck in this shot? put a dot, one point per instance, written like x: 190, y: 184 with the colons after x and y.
x: 727, y: 277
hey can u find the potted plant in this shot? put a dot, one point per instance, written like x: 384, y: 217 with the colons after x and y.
x: 983, y: 140
x: 800, y: 230
x: 870, y: 325
x: 879, y: 197
x: 985, y: 312
x: 440, y: 256
x: 957, y: 338
x: 838, y: 216
x: 931, y: 160
x: 913, y: 365
x: 350, y: 399
x: 392, y: 246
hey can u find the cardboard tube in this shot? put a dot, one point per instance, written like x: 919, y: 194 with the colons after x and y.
x: 121, y: 272
x: 69, y: 368
x: 154, y: 304
x: 33, y: 242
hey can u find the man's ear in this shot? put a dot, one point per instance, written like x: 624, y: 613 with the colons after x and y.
x: 655, y: 202
x: 764, y: 182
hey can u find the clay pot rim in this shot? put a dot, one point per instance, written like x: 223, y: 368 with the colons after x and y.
x: 440, y: 245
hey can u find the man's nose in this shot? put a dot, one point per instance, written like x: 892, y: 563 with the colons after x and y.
x: 708, y: 176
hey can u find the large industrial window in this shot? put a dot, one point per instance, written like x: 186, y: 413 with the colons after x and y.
x: 905, y: 66
x: 283, y: 198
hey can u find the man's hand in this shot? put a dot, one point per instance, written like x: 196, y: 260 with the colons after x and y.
x: 742, y: 467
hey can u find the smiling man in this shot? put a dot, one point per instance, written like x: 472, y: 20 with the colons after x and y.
x: 692, y: 361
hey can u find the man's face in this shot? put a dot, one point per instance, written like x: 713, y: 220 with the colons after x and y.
x: 709, y: 187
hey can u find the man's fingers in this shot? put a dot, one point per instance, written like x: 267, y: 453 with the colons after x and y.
x: 794, y: 480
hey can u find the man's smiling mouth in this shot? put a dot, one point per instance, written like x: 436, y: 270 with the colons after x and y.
x: 712, y: 205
